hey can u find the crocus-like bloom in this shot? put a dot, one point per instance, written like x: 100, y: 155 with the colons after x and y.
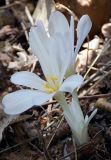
x: 83, y: 28
x: 54, y: 54
x: 77, y: 122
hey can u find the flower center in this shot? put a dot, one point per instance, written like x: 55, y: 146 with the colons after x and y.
x: 52, y: 84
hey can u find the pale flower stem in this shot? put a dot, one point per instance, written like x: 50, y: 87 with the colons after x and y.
x: 62, y: 101
x: 80, y: 135
x: 74, y: 96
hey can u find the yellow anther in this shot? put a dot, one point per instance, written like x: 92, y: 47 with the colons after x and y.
x: 48, y: 89
x: 52, y: 85
x: 52, y: 78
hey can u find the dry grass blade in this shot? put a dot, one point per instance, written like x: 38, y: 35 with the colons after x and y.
x: 55, y: 132
x: 29, y: 15
x: 10, y: 5
x: 98, y: 56
x: 107, y: 65
x: 101, y: 78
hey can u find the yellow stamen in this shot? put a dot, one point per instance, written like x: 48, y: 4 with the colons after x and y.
x: 52, y: 85
x: 52, y: 78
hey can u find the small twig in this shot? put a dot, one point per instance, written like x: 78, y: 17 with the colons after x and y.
x: 33, y: 66
x: 17, y: 145
x: 11, y: 5
x: 35, y: 147
x: 45, y: 152
x: 75, y: 151
x: 108, y: 64
x: 97, y: 134
x: 95, y: 96
x: 98, y: 56
x: 55, y: 132
x: 83, y: 97
x: 29, y: 16
x: 92, y: 64
x: 25, y: 31
x: 63, y: 7
x: 68, y: 155
x: 96, y: 69
x: 101, y: 78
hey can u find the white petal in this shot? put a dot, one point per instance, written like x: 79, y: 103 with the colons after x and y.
x: 28, y: 79
x: 72, y: 34
x: 19, y: 101
x: 76, y: 108
x: 67, y: 57
x: 60, y: 54
x: 71, y: 42
x: 54, y: 52
x: 71, y: 83
x: 90, y: 117
x: 76, y: 112
x: 58, y: 23
x: 37, y: 41
x: 83, y: 28
x: 86, y: 119
x: 44, y: 48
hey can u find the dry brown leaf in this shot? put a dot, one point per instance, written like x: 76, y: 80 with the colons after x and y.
x: 84, y: 58
x: 8, y: 31
x: 23, y: 60
x: 4, y: 57
x: 93, y: 44
x: 106, y: 30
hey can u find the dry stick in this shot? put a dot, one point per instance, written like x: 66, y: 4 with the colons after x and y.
x: 92, y: 64
x: 68, y: 155
x: 10, y: 5
x: 96, y: 69
x: 75, y: 151
x: 95, y: 96
x: 17, y: 145
x: 97, y: 73
x: 33, y: 66
x: 30, y: 20
x: 24, y: 117
x: 62, y: 7
x: 98, y: 56
x: 55, y: 132
x: 37, y: 149
x: 25, y: 31
x: 84, y: 97
x: 29, y: 15
x: 45, y: 152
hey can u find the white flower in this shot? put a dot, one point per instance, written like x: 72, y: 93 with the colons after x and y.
x: 62, y: 35
x: 83, y: 28
x: 54, y: 54
x: 77, y: 122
